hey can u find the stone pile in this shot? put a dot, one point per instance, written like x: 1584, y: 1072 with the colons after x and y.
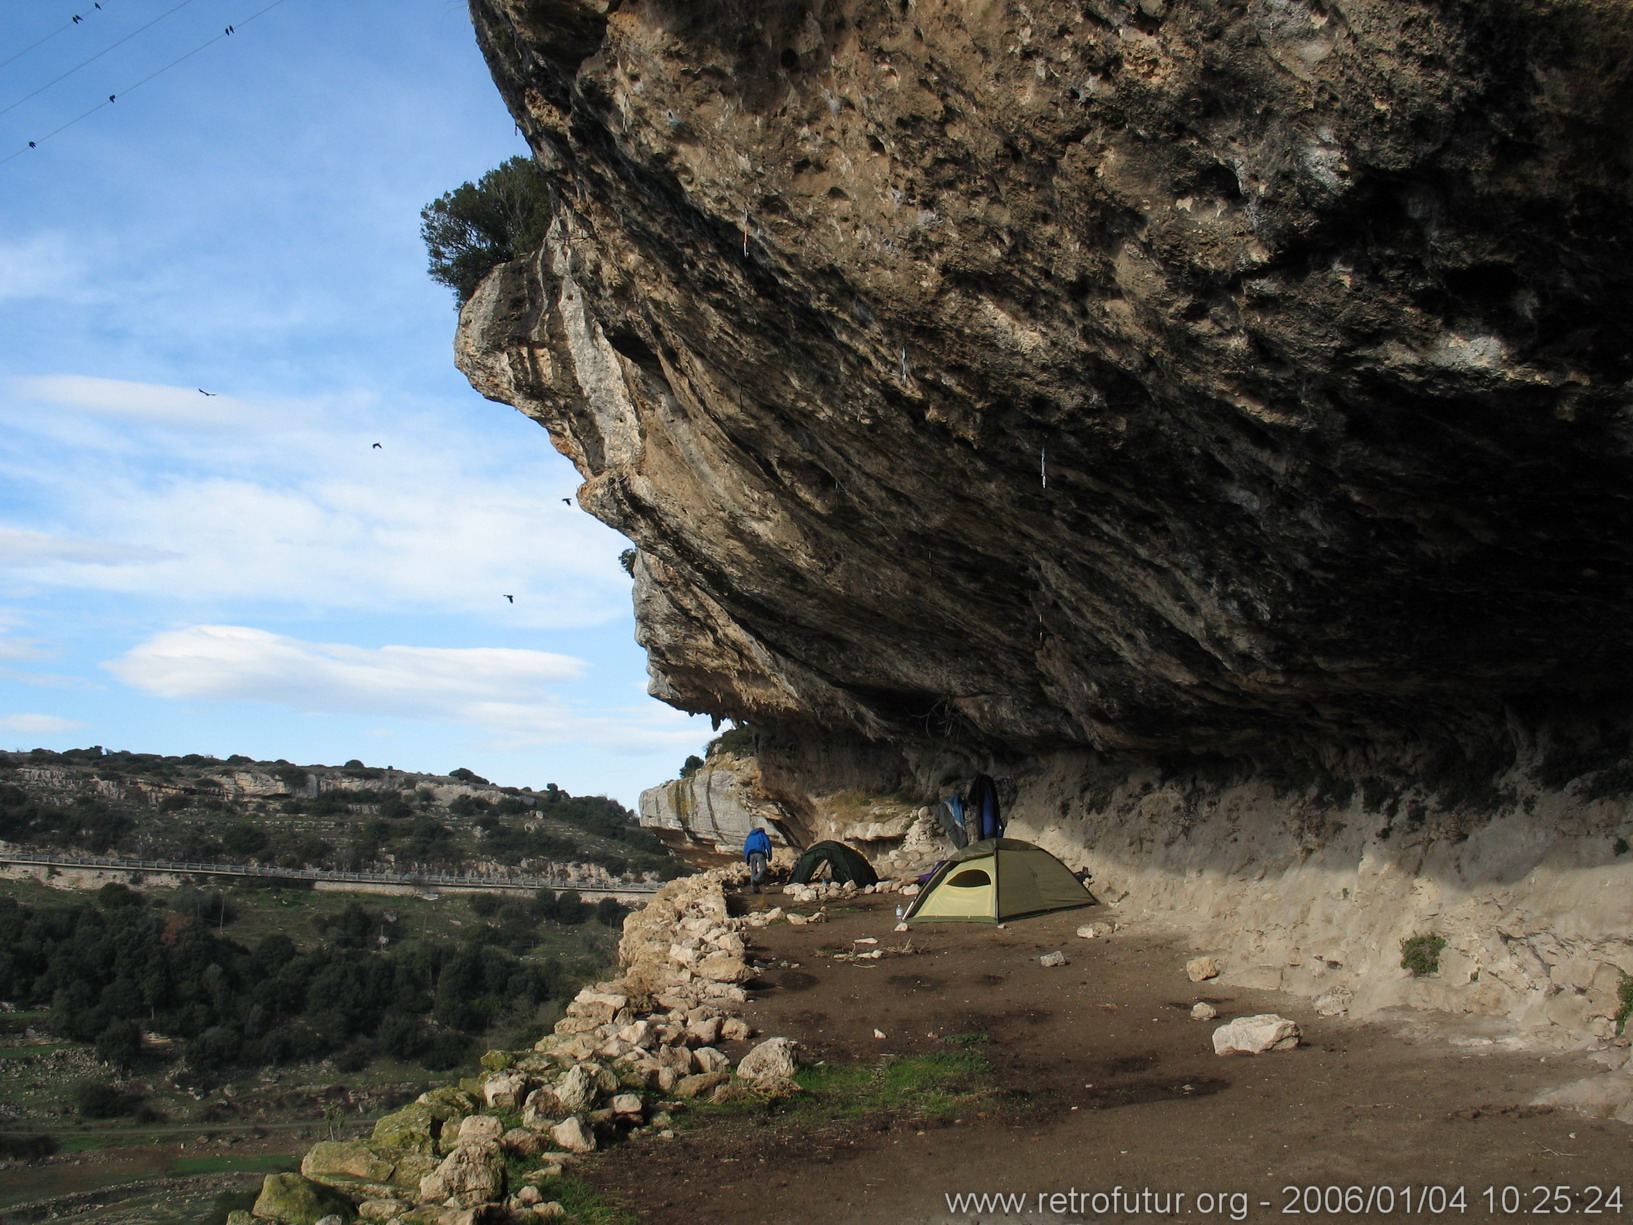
x: 483, y: 1152
x: 829, y: 891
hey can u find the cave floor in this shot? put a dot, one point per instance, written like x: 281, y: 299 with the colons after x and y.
x: 1104, y: 1081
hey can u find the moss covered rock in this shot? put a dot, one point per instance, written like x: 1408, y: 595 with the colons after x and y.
x: 292, y: 1199
x: 346, y: 1159
x: 409, y: 1130
x: 498, y: 1061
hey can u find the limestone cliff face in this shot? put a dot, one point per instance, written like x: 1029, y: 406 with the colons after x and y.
x: 1179, y: 393
x: 1170, y: 376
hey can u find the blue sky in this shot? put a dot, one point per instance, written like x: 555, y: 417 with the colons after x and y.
x: 245, y: 571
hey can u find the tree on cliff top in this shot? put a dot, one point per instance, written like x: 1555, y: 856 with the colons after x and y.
x: 471, y: 230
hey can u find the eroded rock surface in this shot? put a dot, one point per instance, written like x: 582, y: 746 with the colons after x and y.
x: 1210, y: 419
x: 1158, y: 377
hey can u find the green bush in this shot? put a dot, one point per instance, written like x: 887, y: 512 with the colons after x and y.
x: 1421, y: 954
x: 476, y: 227
x: 1626, y: 998
x: 26, y: 1148
x: 97, y: 1099
x: 741, y: 739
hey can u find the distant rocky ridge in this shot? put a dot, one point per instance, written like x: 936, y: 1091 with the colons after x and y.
x: 200, y: 808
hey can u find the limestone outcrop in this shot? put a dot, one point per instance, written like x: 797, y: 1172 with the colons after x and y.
x: 713, y: 807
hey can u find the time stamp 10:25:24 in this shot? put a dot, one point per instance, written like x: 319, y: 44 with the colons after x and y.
x: 1554, y: 1199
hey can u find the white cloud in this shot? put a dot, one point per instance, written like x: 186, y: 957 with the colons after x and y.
x: 23, y: 649
x: 43, y: 265
x: 500, y: 692
x: 149, y: 403
x: 651, y: 729
x: 237, y: 663
x: 25, y: 549
x: 429, y: 522
x: 39, y: 725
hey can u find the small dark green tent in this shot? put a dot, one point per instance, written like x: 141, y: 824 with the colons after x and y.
x: 844, y: 863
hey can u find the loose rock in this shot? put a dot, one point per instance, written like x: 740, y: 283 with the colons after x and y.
x: 773, y: 1059
x: 1255, y: 1035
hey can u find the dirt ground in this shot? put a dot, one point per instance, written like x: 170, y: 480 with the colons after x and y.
x: 1106, y: 1082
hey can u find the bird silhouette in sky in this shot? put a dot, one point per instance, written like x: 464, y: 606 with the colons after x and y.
x: 202, y: 392
x: 378, y: 447
x: 511, y: 598
x: 566, y: 501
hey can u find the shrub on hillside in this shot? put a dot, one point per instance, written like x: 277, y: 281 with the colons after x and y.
x: 97, y: 1099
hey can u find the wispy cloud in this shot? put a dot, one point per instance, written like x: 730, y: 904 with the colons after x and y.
x: 46, y: 264
x: 299, y: 508
x: 125, y: 400
x: 39, y: 725
x: 24, y: 650
x: 24, y: 549
x: 238, y: 663
x: 506, y: 694
x: 649, y: 729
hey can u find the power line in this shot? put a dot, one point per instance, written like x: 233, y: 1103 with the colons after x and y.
x: 94, y: 58
x: 67, y: 25
x: 229, y: 30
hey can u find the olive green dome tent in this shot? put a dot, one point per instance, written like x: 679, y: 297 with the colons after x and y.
x: 996, y: 880
x: 844, y: 864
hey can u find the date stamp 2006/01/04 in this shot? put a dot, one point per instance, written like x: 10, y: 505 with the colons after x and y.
x: 1590, y: 1201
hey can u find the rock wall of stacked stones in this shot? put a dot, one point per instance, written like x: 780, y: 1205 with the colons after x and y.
x: 487, y: 1150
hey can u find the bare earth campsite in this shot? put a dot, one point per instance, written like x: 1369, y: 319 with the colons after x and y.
x: 1050, y: 1086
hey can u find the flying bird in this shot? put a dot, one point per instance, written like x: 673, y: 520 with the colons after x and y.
x: 378, y: 447
x: 566, y: 501
x: 511, y: 598
x: 202, y: 392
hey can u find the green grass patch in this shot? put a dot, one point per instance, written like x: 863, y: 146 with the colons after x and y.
x: 585, y: 1205
x: 932, y: 1085
x: 1626, y: 997
x: 1421, y: 954
x: 971, y: 1039
x: 44, y: 1048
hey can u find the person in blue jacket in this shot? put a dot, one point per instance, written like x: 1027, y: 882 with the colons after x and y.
x: 757, y: 854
